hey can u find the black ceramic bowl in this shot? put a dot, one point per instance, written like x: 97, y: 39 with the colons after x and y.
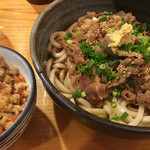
x: 59, y: 15
x: 14, y: 60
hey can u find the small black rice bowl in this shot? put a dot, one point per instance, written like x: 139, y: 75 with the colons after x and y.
x: 14, y: 60
x: 58, y: 16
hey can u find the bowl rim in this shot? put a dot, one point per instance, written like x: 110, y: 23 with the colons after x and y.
x: 32, y: 95
x: 64, y: 101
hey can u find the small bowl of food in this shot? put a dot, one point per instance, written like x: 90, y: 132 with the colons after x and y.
x: 93, y: 59
x: 17, y: 95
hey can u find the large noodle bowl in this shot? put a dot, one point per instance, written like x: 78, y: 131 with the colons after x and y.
x: 101, y: 63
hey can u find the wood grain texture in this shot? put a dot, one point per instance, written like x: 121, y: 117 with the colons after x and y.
x: 50, y: 128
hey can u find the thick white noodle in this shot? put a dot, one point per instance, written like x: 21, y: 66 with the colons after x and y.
x: 131, y: 113
x: 69, y: 96
x: 61, y: 87
x: 53, y: 39
x: 59, y: 65
x: 70, y: 29
x: 138, y: 117
x: 58, y: 54
x: 61, y: 59
x: 83, y: 102
x: 53, y: 76
x: 48, y: 66
x: 62, y: 75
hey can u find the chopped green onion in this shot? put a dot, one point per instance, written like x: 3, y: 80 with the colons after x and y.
x: 144, y: 39
x: 130, y: 64
x: 102, y: 19
x: 116, y: 52
x: 113, y: 74
x: 144, y: 27
x: 126, y: 74
x: 90, y: 63
x: 108, y: 14
x: 98, y: 71
x: 69, y: 34
x: 69, y: 41
x: 93, y: 48
x: 102, y: 66
x: 116, y: 93
x: 113, y: 104
x: 122, y: 19
x: 79, y: 33
x: 103, y: 81
x: 118, y: 78
x: 111, y: 63
x: 132, y: 84
x: 115, y: 118
x: 110, y: 30
x: 81, y: 68
x: 124, y: 116
x: 77, y: 93
x: 67, y: 38
x: 102, y: 114
x: 83, y: 94
x: 100, y: 45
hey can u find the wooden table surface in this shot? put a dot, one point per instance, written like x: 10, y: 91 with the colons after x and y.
x: 50, y: 128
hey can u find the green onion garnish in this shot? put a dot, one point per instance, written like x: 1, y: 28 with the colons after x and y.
x: 144, y: 27
x: 130, y: 64
x: 118, y: 78
x: 77, y: 93
x: 69, y: 41
x: 132, y: 84
x: 110, y: 30
x: 67, y: 38
x: 116, y: 94
x: 113, y: 104
x: 79, y: 33
x: 83, y: 94
x: 81, y: 68
x: 102, y: 66
x: 116, y: 52
x: 108, y: 14
x: 98, y: 71
x: 126, y: 74
x: 115, y: 118
x: 69, y: 34
x: 100, y: 45
x: 90, y: 63
x: 112, y: 63
x: 102, y: 19
x: 124, y: 116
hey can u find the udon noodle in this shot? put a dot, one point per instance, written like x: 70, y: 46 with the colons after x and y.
x: 116, y: 86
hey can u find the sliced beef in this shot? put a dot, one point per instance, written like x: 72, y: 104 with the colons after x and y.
x: 75, y: 76
x: 145, y: 86
x: 128, y: 17
x: 95, y: 90
x: 143, y: 97
x: 128, y: 95
x: 73, y: 51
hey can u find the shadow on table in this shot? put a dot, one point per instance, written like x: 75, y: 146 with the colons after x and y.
x: 61, y: 117
x: 4, y: 41
x: 104, y: 142
x: 40, y: 130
